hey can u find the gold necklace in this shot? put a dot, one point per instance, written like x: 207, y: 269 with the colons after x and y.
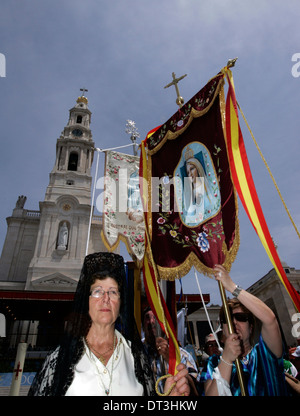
x: 101, y: 356
x: 91, y: 357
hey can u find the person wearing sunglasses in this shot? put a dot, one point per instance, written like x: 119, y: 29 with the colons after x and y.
x: 262, y: 363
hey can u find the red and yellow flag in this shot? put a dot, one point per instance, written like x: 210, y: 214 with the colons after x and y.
x: 160, y: 310
x: 153, y: 292
x: 244, y: 184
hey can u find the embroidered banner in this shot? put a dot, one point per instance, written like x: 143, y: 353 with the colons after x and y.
x: 192, y: 205
x: 123, y: 217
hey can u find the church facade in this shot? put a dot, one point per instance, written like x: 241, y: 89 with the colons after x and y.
x: 44, y: 250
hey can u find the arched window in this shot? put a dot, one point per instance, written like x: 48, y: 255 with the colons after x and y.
x: 73, y: 161
x: 79, y: 119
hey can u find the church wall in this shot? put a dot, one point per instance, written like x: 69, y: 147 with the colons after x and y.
x: 96, y: 244
x: 271, y: 291
x: 19, y: 246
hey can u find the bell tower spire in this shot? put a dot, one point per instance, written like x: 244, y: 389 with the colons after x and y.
x: 74, y: 156
x: 65, y: 211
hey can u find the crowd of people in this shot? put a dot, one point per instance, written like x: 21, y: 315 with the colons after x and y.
x: 102, y: 353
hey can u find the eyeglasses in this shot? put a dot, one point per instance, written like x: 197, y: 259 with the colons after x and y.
x: 241, y: 316
x: 98, y: 293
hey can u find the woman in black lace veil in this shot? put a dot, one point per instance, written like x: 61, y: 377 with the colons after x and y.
x: 58, y: 371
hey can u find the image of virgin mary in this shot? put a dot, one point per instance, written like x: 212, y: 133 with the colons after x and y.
x: 196, y: 185
x: 134, y: 202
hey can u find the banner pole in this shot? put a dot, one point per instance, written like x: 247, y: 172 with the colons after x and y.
x: 231, y: 331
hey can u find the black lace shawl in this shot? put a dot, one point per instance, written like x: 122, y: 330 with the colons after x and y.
x: 57, y: 372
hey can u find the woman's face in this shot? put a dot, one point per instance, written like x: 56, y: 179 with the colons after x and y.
x: 192, y: 171
x: 242, y: 329
x: 104, y: 310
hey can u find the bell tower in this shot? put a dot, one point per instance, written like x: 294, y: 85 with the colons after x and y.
x: 65, y: 211
x: 74, y: 156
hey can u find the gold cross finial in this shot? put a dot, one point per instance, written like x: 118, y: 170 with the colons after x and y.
x: 179, y: 100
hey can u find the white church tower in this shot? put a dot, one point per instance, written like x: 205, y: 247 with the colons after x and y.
x: 44, y: 250
x: 65, y: 211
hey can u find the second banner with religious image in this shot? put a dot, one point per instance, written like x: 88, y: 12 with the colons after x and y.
x: 123, y: 218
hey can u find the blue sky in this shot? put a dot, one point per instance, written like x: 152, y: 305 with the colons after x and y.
x: 124, y: 53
